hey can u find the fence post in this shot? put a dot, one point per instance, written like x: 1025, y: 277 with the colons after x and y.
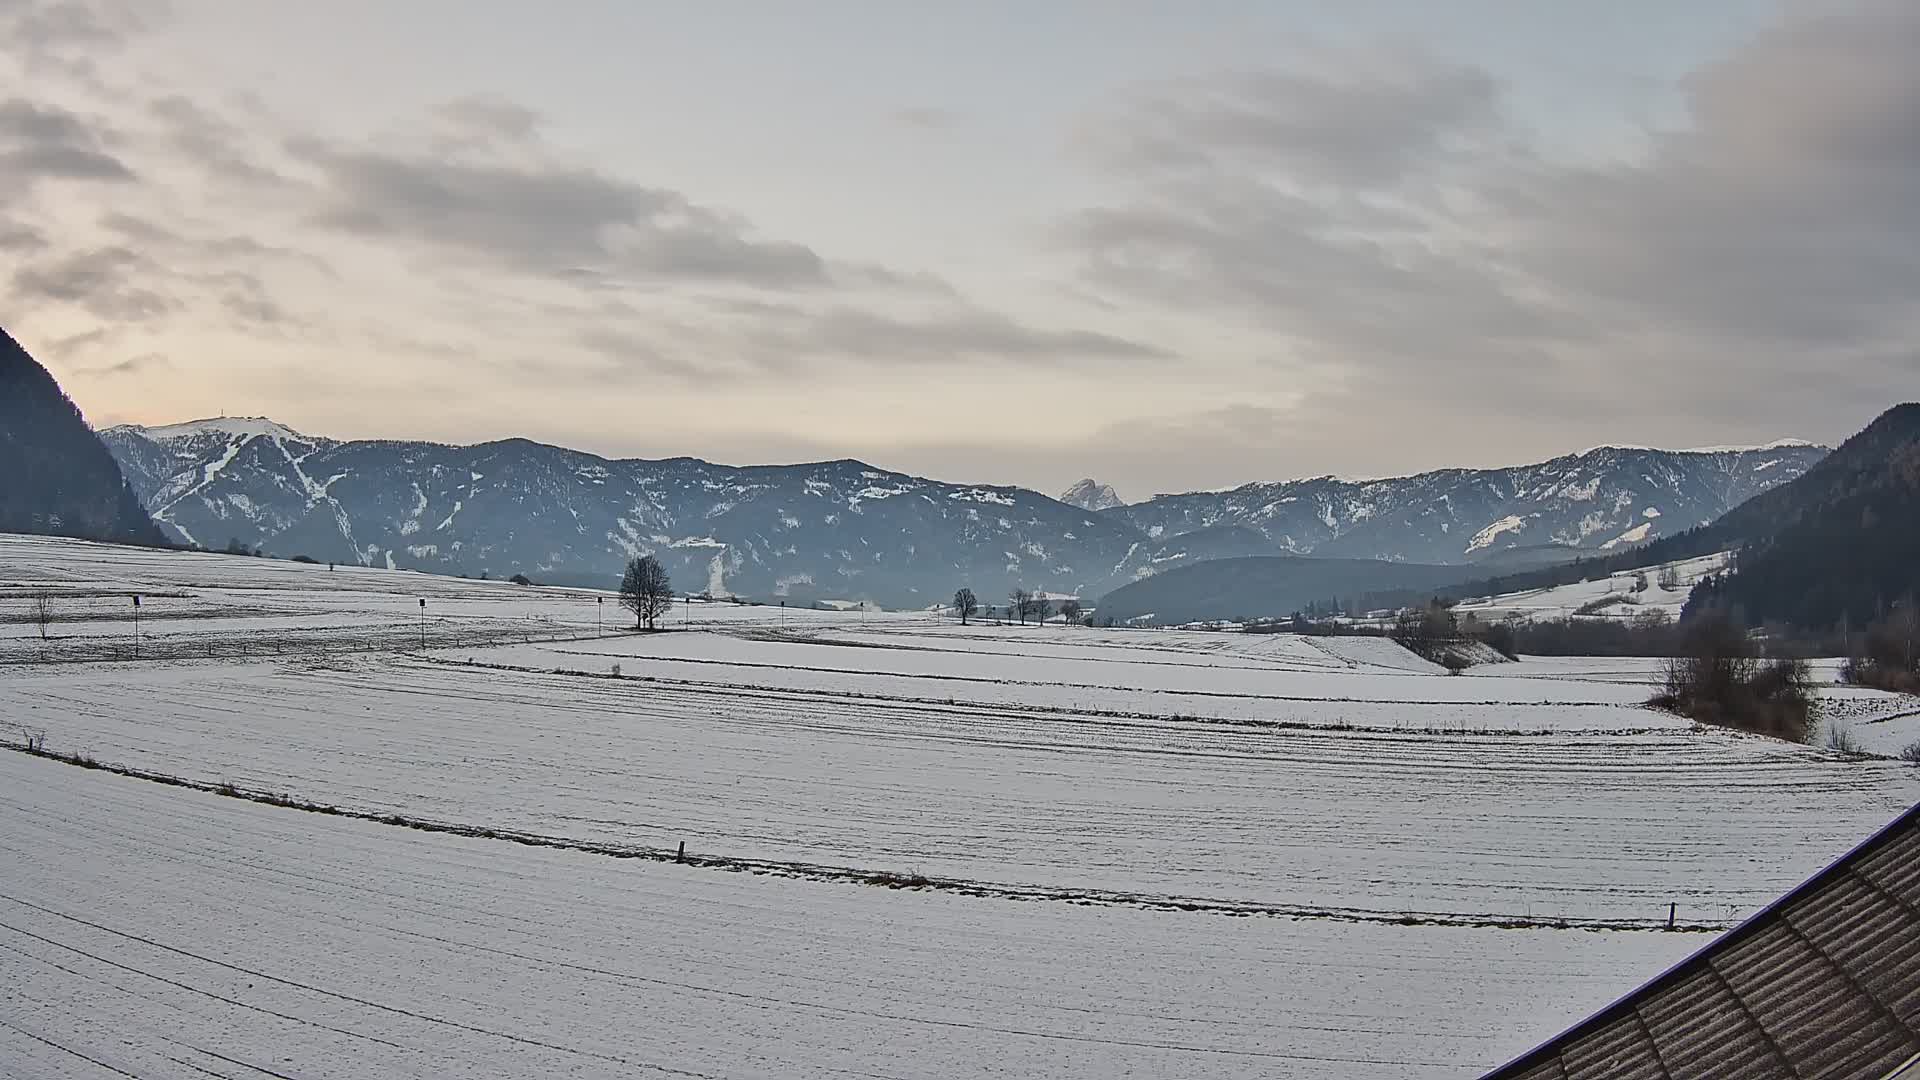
x: 682, y: 857
x: 1672, y: 909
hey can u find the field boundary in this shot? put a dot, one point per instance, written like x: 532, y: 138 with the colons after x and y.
x: 1074, y: 711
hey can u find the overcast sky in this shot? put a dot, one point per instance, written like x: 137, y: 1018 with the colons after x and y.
x: 1172, y: 246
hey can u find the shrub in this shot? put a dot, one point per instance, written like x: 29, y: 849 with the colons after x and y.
x: 308, y: 559
x: 1426, y: 631
x: 1596, y: 606
x: 521, y: 579
x: 1717, y: 678
x: 1911, y: 752
x: 1503, y: 638
x: 1454, y: 662
x: 1841, y: 739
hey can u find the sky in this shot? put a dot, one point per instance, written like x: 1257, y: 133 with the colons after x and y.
x: 1169, y: 246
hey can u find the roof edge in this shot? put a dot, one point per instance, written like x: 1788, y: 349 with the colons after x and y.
x: 1747, y: 928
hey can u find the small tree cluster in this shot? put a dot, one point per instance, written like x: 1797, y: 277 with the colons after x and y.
x: 1888, y: 654
x: 1024, y: 605
x: 1427, y: 631
x: 1718, y: 678
x: 1019, y: 603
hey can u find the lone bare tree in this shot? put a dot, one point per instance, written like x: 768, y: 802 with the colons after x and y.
x: 1070, y: 611
x: 966, y: 604
x: 646, y: 591
x: 1042, y: 607
x: 1020, y: 602
x: 43, y: 613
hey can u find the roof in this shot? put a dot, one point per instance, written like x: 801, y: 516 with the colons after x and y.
x: 1825, y: 982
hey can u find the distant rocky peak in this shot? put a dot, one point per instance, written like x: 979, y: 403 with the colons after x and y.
x: 1090, y: 494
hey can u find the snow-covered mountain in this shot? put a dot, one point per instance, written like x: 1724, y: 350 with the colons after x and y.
x: 1602, y: 499
x: 1089, y: 494
x: 836, y: 529
x: 846, y: 530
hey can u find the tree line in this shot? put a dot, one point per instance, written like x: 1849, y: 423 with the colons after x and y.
x: 1022, y: 604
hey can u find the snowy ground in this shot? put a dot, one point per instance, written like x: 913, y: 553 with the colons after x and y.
x: 224, y: 938
x: 1612, y: 597
x: 1433, y: 872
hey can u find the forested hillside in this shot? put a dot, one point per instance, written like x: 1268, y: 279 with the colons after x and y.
x: 56, y: 477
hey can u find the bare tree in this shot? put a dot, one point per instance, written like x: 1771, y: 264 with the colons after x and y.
x: 1070, y: 611
x: 1669, y: 579
x: 966, y: 604
x: 1042, y: 607
x: 42, y: 613
x: 646, y: 591
x: 1020, y: 602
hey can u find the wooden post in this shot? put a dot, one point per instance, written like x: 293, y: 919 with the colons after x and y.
x: 682, y: 857
x: 1671, y: 910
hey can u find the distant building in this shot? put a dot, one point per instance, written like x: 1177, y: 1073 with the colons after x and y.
x: 1824, y: 983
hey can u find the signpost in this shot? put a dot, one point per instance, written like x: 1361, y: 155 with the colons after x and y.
x: 136, y: 626
x: 423, y: 623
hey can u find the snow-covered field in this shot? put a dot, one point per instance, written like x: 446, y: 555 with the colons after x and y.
x: 1170, y: 853
x: 1616, y: 596
x: 165, y: 933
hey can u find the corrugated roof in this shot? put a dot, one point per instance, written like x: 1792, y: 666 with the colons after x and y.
x: 1823, y: 983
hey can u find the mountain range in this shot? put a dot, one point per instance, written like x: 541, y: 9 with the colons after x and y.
x: 1602, y: 499
x: 848, y: 530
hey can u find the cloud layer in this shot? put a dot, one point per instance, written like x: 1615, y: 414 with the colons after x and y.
x: 1262, y: 272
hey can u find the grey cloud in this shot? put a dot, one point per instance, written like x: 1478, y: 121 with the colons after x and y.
x: 87, y: 339
x: 63, y: 23
x: 63, y: 162
x: 1787, y: 214
x: 1774, y: 234
x: 489, y: 118
x: 69, y: 39
x: 251, y: 304
x: 207, y: 249
x: 959, y: 334
x: 141, y: 364
x: 40, y: 141
x: 109, y: 283
x: 17, y: 236
x: 219, y: 147
x: 625, y: 352
x: 1365, y: 121
x: 749, y: 338
x: 547, y: 219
